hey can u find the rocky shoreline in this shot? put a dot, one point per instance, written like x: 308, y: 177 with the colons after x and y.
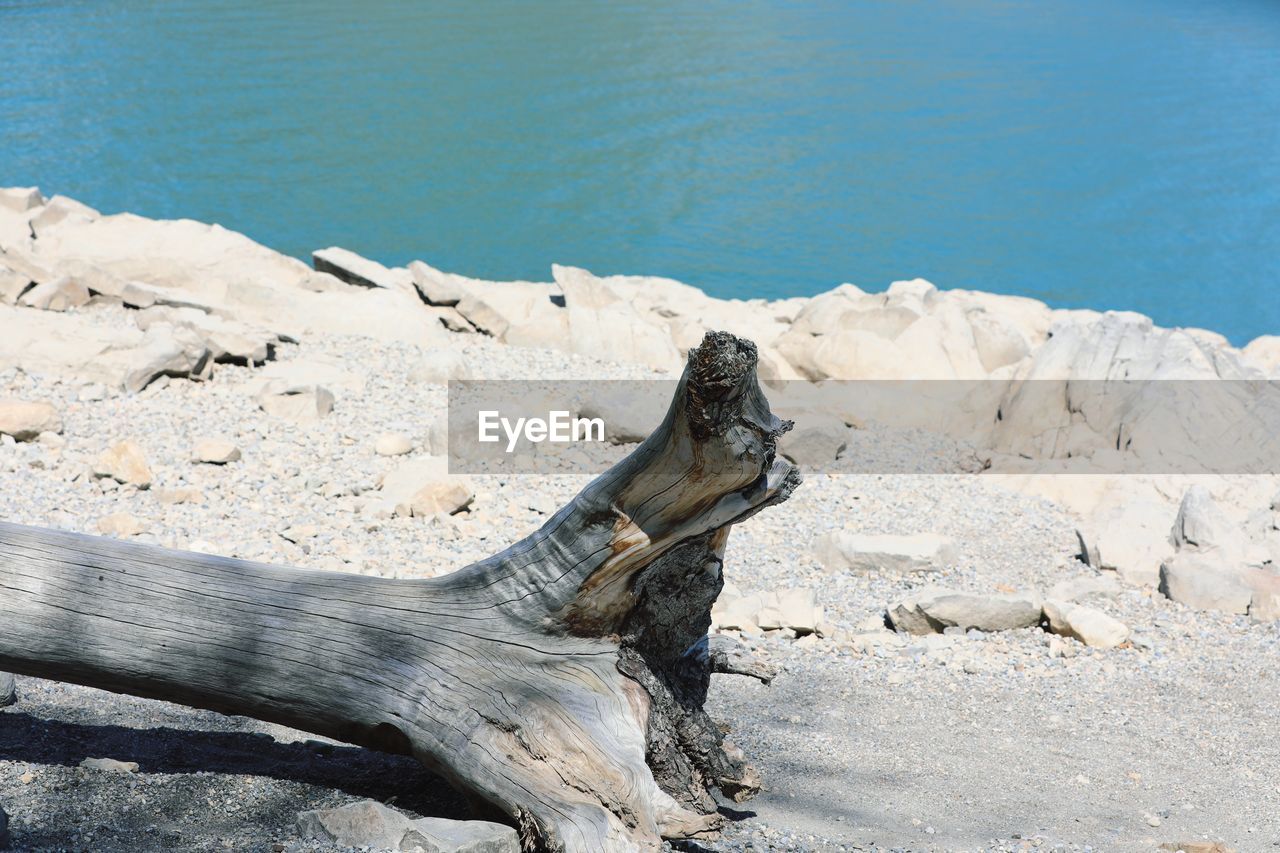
x: 175, y: 382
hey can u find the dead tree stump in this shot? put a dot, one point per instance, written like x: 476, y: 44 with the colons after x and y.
x: 561, y: 681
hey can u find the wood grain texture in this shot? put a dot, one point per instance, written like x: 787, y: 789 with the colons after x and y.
x: 561, y: 681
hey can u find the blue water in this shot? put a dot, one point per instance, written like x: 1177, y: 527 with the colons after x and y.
x: 1097, y: 153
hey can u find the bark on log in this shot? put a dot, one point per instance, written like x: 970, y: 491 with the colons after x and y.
x: 561, y: 681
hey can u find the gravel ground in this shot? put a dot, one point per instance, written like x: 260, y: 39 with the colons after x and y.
x: 867, y: 740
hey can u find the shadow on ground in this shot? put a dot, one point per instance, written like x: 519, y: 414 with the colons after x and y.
x: 351, y: 770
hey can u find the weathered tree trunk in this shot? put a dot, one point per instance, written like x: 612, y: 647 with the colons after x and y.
x: 561, y: 681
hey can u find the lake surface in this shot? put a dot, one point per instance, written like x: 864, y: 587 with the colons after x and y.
x: 1095, y: 153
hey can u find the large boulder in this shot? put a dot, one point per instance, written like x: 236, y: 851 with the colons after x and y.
x: 72, y: 346
x: 1205, y: 581
x: 20, y: 199
x: 1201, y: 525
x: 911, y: 331
x: 362, y: 272
x: 436, y: 286
x: 1209, y: 570
x: 845, y: 550
x: 191, y: 263
x: 1119, y: 383
x: 1130, y: 538
x: 604, y: 324
x: 1263, y: 353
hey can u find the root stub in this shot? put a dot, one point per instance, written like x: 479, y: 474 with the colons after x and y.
x: 561, y: 681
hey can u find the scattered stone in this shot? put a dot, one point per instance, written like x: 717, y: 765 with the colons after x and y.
x: 215, y: 451
x: 1086, y: 624
x: 441, y: 365
x: 92, y: 392
x: 796, y: 609
x: 934, y: 609
x: 543, y: 504
x: 300, y: 403
x: 370, y: 824
x: 437, y: 438
x: 466, y: 836
x: 843, y: 550
x: 110, y: 765
x: 1197, y: 847
x: 125, y: 463
x: 25, y: 420
x: 59, y: 294
x: 184, y: 495
x: 737, y: 612
x: 424, y: 488
x: 793, y: 609
x: 120, y: 524
x: 1074, y: 589
x: 300, y: 533
x: 392, y: 444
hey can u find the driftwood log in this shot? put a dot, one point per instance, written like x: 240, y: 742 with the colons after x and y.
x: 561, y: 681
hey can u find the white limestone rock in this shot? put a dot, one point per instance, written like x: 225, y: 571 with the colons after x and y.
x: 298, y: 403
x: 816, y: 439
x: 369, y: 824
x: 20, y: 199
x: 120, y: 525
x: 423, y: 488
x: 362, y: 272
x: 441, y: 365
x: 934, y: 609
x: 60, y: 294
x: 215, y: 451
x: 124, y: 462
x: 1086, y: 624
x: 1205, y: 581
x: 845, y: 550
x: 392, y: 444
x: 25, y: 420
